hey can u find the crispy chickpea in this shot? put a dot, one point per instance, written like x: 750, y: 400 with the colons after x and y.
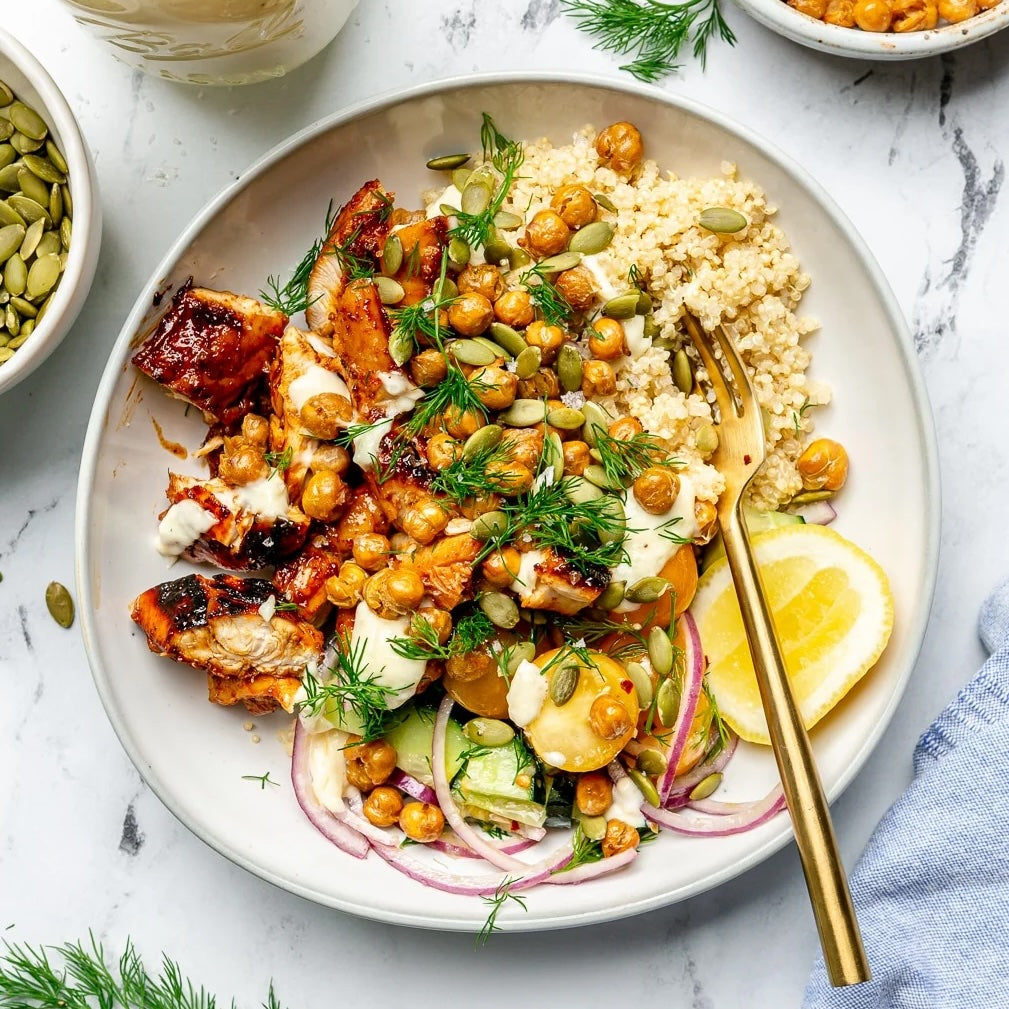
x: 598, y: 379
x: 814, y: 8
x: 243, y: 464
x: 607, y: 339
x: 508, y: 478
x: 345, y: 594
x: 331, y: 457
x: 440, y: 621
x: 481, y: 278
x: 383, y: 806
x: 575, y: 205
x: 955, y: 11
x: 400, y: 543
x: 621, y: 146
x: 354, y: 575
x: 471, y: 665
x: 872, y: 15
x: 470, y: 314
x: 918, y: 15
x: 371, y: 551
x: 593, y: 793
x: 501, y: 568
x: 325, y: 415
x: 461, y: 423
x: 987, y: 4
x: 494, y: 387
x: 577, y: 287
x: 523, y: 445
x: 424, y: 520
x: 422, y: 822
x: 706, y: 516
x: 442, y: 450
x: 379, y: 597
x: 543, y: 385
x: 549, y: 339
x: 656, y: 489
x: 625, y: 428
x: 405, y: 588
x: 255, y: 429
x: 576, y: 458
x: 608, y: 718
x: 619, y: 837
x: 546, y: 234
x: 428, y: 368
x: 370, y: 764
x: 840, y: 13
x: 323, y: 496
x: 823, y: 465
x: 514, y: 308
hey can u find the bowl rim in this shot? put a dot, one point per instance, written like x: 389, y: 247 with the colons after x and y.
x: 118, y: 358
x: 858, y: 44
x: 83, y: 256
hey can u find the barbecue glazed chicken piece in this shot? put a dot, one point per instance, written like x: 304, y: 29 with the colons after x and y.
x: 547, y: 581
x: 211, y: 349
x: 227, y: 627
x: 302, y: 580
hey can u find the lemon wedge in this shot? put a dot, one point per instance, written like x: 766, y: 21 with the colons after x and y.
x: 833, y: 611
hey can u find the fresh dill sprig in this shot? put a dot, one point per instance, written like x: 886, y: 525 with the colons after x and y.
x: 467, y: 477
x: 498, y: 149
x: 571, y: 649
x: 586, y: 851
x: 624, y: 460
x: 283, y: 605
x: 263, y: 779
x: 279, y: 461
x: 454, y: 392
x: 722, y: 730
x: 501, y: 896
x: 545, y: 296
x: 470, y: 632
x: 293, y: 296
x: 797, y: 415
x: 594, y: 630
x: 668, y: 531
x: 650, y: 31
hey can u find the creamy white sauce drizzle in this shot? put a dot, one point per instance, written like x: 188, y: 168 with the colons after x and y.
x: 366, y: 444
x: 626, y: 804
x: 266, y: 496
x: 526, y: 694
x: 371, y: 635
x: 315, y: 381
x: 184, y: 523
x: 268, y: 608
x: 595, y: 265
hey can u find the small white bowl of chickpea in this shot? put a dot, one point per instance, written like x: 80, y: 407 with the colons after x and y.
x: 881, y: 29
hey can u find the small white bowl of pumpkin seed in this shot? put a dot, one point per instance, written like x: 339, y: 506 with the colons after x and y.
x: 50, y: 216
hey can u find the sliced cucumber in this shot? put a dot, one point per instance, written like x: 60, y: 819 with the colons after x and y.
x: 412, y: 740
x: 756, y: 522
x: 489, y: 785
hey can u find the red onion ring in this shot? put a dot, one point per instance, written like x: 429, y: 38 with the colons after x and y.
x: 698, y: 824
x: 685, y: 783
x: 412, y: 787
x: 335, y: 831
x: 693, y: 681
x: 817, y: 513
x: 592, y: 870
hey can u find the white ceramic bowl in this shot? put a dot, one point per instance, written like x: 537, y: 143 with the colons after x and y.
x: 194, y: 755
x: 809, y: 31
x: 30, y: 82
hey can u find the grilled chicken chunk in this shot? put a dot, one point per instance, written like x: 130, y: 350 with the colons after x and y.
x: 423, y: 244
x: 447, y: 567
x: 303, y: 580
x: 260, y: 694
x: 552, y: 583
x: 363, y: 515
x: 211, y: 349
x: 220, y: 625
x: 243, y: 528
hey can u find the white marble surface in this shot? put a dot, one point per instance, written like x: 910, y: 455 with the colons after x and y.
x: 913, y: 152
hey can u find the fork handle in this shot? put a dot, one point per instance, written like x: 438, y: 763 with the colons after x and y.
x: 840, y: 938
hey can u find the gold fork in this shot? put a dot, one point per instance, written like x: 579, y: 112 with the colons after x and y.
x: 739, y: 456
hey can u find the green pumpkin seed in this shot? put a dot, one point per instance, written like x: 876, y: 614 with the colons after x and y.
x: 492, y: 347
x: 507, y: 221
x: 66, y: 230
x: 647, y: 590
x: 596, y: 418
x: 390, y: 292
x: 706, y: 439
x: 28, y: 121
x: 553, y: 454
x: 488, y: 732
x: 33, y: 235
x: 559, y: 263
x: 9, y: 216
x: 60, y: 604
x: 722, y: 220
x: 392, y: 255
x: 667, y: 702
x: 518, y: 259
x: 563, y: 684
x: 68, y: 201
x: 15, y: 274
x: 476, y: 196
x: 23, y: 144
x: 605, y: 202
x: 484, y: 440
x: 638, y: 675
x: 471, y: 352
x: 660, y: 651
x: 447, y: 162
x: 9, y: 178
x: 644, y: 306
x: 460, y: 176
x: 12, y: 321
x: 510, y: 339
x: 7, y: 153
x: 616, y: 529
x: 593, y: 827
x: 569, y: 368
x: 458, y: 252
x: 27, y: 326
x: 566, y: 418
x: 5, y: 338
x: 524, y: 412
x: 645, y: 785
x: 623, y: 306
x: 705, y: 787
x: 6, y: 95
x: 522, y: 651
x: 11, y: 237
x: 56, y: 156
x: 25, y: 308
x: 651, y: 329
x: 811, y: 496
x: 44, y: 169
x: 5, y: 354
x: 683, y: 372
x: 528, y: 362
x: 30, y: 210
x: 612, y: 596
x: 42, y: 276
x: 599, y: 476
x: 592, y: 238
x: 580, y: 491
x: 56, y: 205
x: 651, y: 761
x: 400, y: 342
x: 49, y: 244
x: 488, y: 525
x: 501, y: 610
x: 45, y: 308
x: 497, y: 249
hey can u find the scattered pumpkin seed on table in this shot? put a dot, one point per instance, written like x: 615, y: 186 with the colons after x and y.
x: 60, y: 604
x: 35, y: 231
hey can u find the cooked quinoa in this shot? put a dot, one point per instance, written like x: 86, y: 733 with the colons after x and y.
x: 749, y: 281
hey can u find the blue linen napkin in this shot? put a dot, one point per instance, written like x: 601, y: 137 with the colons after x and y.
x: 932, y: 887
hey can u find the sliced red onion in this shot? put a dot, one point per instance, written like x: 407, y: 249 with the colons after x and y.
x: 339, y: 833
x: 685, y: 783
x: 353, y: 817
x: 698, y: 824
x: 412, y: 787
x: 817, y: 513
x: 693, y: 680
x: 451, y: 845
x: 592, y: 870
